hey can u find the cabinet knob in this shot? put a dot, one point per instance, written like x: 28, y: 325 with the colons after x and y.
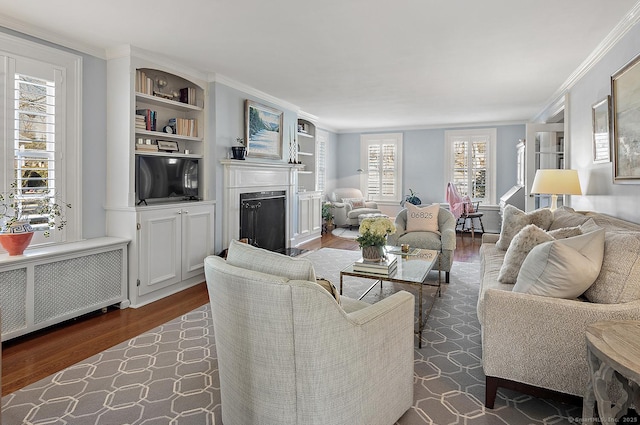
x: 186, y: 211
x: 180, y: 212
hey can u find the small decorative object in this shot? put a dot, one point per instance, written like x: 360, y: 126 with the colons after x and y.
x: 167, y: 146
x: 373, y: 237
x: 601, y: 139
x: 16, y: 232
x: 625, y: 99
x: 411, y: 198
x: 404, y: 247
x: 238, y: 151
x: 263, y: 131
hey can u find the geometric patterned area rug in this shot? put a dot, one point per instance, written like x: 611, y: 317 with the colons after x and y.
x: 169, y: 375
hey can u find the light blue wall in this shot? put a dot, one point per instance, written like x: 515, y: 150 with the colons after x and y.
x: 94, y: 138
x: 599, y: 192
x: 423, y: 161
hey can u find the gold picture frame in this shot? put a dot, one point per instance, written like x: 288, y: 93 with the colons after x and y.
x: 625, y: 115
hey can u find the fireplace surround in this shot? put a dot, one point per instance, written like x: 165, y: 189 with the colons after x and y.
x: 247, y: 176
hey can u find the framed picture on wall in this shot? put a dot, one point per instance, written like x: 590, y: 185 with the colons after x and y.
x: 263, y: 131
x: 625, y: 108
x: 601, y: 126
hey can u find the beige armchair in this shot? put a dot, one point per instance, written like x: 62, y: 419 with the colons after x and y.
x: 344, y: 214
x: 289, y: 353
x: 444, y: 242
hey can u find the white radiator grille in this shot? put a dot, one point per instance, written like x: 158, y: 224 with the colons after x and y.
x: 13, y: 296
x: 72, y: 285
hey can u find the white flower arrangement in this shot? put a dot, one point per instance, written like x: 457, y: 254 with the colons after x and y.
x: 374, y: 231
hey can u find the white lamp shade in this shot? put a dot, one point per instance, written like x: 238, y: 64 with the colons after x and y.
x: 556, y: 182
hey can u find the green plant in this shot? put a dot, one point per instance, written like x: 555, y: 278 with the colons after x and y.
x: 374, y: 231
x: 17, y: 205
x: 327, y: 213
x: 411, y: 198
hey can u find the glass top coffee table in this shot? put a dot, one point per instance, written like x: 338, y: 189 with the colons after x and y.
x: 412, y: 270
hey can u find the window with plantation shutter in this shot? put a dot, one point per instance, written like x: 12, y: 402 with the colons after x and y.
x: 381, y: 174
x: 470, y: 156
x: 40, y: 86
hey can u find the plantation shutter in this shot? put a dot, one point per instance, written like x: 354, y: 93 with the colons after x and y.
x: 382, y: 169
x: 470, y: 164
x: 321, y: 158
x: 34, y: 141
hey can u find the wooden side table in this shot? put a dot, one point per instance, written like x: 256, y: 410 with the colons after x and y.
x: 613, y: 351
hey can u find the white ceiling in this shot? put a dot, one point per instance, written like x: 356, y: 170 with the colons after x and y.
x: 354, y: 64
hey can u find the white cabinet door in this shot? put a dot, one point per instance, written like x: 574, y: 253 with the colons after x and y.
x: 159, y: 249
x: 316, y: 213
x: 197, y: 238
x: 304, y: 221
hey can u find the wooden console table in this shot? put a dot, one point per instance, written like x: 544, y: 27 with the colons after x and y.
x: 613, y: 351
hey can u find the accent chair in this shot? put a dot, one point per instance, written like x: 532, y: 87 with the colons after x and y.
x: 349, y: 203
x: 445, y: 242
x: 290, y: 353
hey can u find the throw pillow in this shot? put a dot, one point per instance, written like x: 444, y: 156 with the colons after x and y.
x: 330, y: 287
x: 567, y: 217
x: 563, y: 268
x: 526, y: 239
x: 619, y: 279
x: 513, y: 220
x: 257, y: 259
x: 422, y: 218
x: 355, y: 202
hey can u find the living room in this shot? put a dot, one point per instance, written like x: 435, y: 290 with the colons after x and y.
x: 576, y: 91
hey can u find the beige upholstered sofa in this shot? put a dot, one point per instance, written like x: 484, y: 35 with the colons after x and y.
x: 289, y: 353
x: 344, y: 212
x: 445, y: 241
x: 532, y: 342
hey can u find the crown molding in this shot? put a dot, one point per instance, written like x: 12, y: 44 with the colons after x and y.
x: 49, y: 37
x: 430, y: 127
x: 620, y: 30
x: 234, y: 84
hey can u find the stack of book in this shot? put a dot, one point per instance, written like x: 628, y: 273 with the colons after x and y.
x: 186, y: 127
x: 149, y: 118
x: 383, y: 268
x: 140, y: 123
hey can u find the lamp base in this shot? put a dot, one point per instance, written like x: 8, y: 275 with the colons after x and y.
x: 554, y: 203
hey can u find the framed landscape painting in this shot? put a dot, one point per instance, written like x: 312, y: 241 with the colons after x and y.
x: 263, y: 131
x: 625, y: 90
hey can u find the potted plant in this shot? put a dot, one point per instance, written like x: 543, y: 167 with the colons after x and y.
x: 411, y: 198
x: 373, y: 237
x: 238, y: 151
x: 327, y: 215
x: 16, y: 231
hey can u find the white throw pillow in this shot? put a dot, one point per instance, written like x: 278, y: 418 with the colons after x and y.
x: 422, y: 218
x: 514, y: 220
x: 563, y: 268
x: 527, y: 239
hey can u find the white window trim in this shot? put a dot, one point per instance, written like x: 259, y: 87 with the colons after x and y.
x: 71, y: 154
x: 492, y: 135
x: 365, y: 141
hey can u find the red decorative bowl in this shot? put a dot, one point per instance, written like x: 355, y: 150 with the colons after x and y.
x: 15, y: 243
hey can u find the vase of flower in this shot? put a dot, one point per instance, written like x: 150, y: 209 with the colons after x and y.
x: 373, y: 237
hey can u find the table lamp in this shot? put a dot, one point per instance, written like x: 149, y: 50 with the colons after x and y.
x: 556, y: 182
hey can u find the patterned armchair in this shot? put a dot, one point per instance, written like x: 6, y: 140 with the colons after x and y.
x: 347, y: 204
x: 289, y: 354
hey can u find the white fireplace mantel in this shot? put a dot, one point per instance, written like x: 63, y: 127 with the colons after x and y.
x: 245, y: 176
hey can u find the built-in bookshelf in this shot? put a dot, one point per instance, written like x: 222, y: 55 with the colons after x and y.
x: 307, y: 155
x: 167, y: 108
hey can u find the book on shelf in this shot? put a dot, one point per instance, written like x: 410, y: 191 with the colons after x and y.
x: 146, y: 148
x: 149, y: 119
x: 144, y: 84
x: 185, y: 126
x: 188, y: 95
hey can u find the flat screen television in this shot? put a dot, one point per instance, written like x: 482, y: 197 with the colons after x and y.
x: 160, y: 178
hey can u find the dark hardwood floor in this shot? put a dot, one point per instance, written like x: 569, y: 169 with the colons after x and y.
x: 35, y: 356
